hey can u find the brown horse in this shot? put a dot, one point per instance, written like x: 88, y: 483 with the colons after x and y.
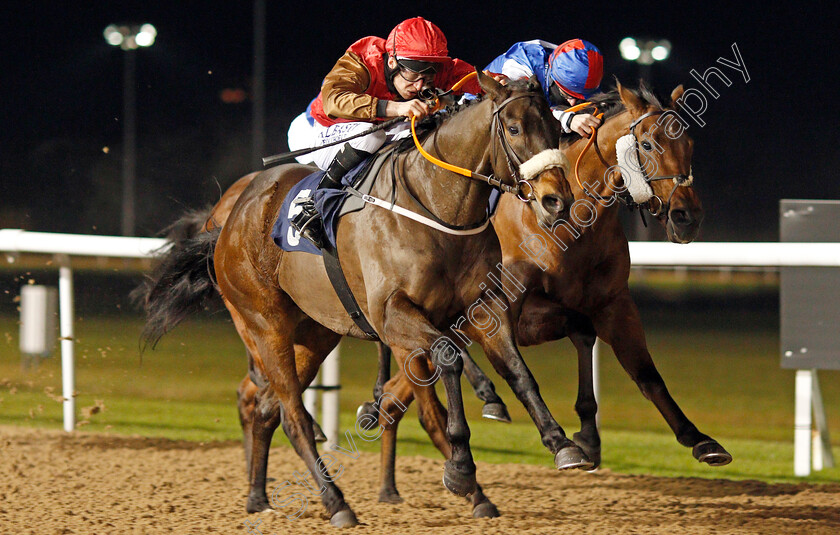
x: 410, y: 282
x: 576, y: 273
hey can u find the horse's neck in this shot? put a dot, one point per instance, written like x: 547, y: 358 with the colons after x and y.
x: 462, y: 141
x: 597, y: 171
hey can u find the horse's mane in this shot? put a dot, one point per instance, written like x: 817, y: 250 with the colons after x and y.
x: 437, y: 119
x: 432, y: 122
x: 610, y: 103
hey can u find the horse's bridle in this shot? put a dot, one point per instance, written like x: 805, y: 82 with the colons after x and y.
x: 496, y: 130
x: 679, y: 180
x: 514, y: 162
x: 624, y: 196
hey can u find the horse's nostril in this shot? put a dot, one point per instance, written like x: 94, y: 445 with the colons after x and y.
x: 553, y: 204
x: 681, y: 217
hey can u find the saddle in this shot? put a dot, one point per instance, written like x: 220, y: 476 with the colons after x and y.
x: 332, y: 204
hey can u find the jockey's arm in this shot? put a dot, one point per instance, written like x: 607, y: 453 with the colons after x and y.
x: 343, y: 91
x: 344, y: 95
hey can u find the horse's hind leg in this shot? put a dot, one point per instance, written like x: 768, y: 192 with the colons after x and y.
x: 389, y: 408
x: 272, y: 347
x: 246, y: 400
x: 494, y: 408
x: 246, y: 394
x: 620, y: 326
x: 367, y: 410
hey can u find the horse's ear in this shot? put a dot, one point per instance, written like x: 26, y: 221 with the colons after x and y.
x: 632, y: 102
x: 676, y: 94
x: 489, y: 85
x: 534, y: 83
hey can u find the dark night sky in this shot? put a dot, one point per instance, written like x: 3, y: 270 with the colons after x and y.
x: 774, y: 137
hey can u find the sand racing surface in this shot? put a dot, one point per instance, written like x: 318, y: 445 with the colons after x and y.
x: 56, y: 483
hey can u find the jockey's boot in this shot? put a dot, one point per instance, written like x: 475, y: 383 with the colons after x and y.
x: 308, y: 222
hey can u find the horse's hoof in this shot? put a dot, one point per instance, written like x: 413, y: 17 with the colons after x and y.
x: 496, y: 411
x: 485, y: 510
x: 572, y: 457
x: 345, y: 518
x: 711, y: 453
x: 257, y: 504
x: 318, y: 432
x: 592, y: 451
x: 390, y: 496
x: 369, y: 409
x: 457, y: 483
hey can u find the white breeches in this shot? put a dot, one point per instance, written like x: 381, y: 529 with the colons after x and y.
x: 303, y: 135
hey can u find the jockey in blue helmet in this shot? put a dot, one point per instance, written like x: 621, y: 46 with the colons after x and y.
x: 568, y: 73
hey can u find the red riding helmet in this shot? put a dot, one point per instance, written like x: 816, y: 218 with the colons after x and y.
x: 419, y: 40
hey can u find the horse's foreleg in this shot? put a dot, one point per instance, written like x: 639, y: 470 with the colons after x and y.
x: 411, y: 335
x: 586, y: 405
x: 507, y: 361
x: 494, y: 408
x: 620, y: 326
x: 394, y: 401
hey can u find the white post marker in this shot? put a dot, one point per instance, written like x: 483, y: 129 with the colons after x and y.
x: 802, y: 423
x: 310, y: 397
x: 330, y: 380
x: 65, y: 307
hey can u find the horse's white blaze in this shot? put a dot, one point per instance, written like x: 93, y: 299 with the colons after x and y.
x: 543, y: 161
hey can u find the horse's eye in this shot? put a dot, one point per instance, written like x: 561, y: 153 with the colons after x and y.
x: 647, y: 146
x: 514, y: 130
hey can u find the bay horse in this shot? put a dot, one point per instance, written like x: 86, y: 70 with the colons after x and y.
x: 576, y: 273
x: 409, y: 280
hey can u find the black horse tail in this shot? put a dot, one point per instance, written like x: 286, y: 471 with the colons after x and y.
x: 183, y: 282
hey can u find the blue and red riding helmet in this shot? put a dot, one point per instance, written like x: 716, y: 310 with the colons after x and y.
x: 577, y: 67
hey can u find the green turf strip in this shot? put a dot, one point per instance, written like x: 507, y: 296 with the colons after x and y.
x: 722, y: 371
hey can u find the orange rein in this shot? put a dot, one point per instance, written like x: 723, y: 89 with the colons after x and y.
x: 575, y: 108
x: 440, y: 163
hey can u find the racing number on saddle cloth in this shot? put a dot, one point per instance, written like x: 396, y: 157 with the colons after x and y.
x: 292, y: 235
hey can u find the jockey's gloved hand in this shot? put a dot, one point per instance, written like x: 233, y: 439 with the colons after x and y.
x: 410, y: 108
x: 584, y: 124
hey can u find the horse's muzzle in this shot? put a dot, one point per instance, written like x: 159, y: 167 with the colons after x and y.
x: 683, y: 225
x: 552, y: 208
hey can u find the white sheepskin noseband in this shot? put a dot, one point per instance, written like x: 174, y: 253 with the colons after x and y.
x: 631, y: 170
x: 543, y: 161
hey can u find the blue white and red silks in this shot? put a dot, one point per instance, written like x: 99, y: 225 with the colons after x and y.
x: 524, y: 59
x: 576, y: 66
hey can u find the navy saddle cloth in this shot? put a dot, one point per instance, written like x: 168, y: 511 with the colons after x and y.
x: 328, y: 202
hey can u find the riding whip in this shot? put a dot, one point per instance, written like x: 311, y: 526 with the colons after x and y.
x: 289, y: 156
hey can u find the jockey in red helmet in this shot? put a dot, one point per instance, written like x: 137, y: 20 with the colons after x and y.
x: 568, y: 73
x: 376, y: 79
